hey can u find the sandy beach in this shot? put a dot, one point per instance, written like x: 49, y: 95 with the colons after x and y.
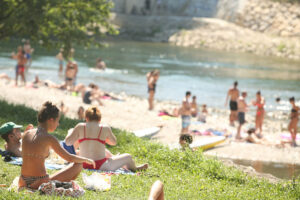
x: 132, y: 114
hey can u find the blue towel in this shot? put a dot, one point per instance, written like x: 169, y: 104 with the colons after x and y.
x: 69, y: 149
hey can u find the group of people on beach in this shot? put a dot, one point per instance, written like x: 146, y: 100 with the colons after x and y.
x: 87, y: 139
x: 238, y: 108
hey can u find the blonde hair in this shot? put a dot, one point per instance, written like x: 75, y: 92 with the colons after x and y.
x: 93, y: 114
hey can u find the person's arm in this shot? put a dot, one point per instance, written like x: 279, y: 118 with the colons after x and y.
x: 111, y: 138
x: 227, y: 97
x: 54, y: 144
x: 73, y: 135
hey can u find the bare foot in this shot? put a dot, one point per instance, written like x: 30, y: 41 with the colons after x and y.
x: 142, y: 167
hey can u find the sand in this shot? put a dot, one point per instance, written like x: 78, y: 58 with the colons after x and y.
x: 132, y: 114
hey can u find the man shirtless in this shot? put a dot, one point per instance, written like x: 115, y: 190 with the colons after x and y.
x: 71, y: 73
x: 234, y: 95
x: 186, y: 113
x: 22, y: 60
x: 242, y: 108
x: 194, y: 107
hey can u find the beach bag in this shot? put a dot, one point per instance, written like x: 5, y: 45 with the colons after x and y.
x: 57, y: 188
x: 97, y: 181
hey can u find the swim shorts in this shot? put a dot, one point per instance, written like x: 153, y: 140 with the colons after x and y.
x: 21, y: 69
x: 233, y: 105
x: 186, y: 121
x: 241, y: 117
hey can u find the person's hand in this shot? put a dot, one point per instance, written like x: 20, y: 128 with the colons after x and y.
x: 91, y: 162
x: 29, y: 126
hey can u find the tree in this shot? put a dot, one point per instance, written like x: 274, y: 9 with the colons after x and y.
x: 56, y: 23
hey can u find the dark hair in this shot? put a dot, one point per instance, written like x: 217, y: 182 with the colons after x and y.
x: 235, y: 83
x: 5, y: 136
x: 92, y: 85
x: 251, y: 130
x: 187, y: 93
x: 277, y: 99
x: 187, y: 138
x: 93, y: 114
x: 292, y: 99
x: 194, y: 97
x: 258, y: 92
x: 48, y: 111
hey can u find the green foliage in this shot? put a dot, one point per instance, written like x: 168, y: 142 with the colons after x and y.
x: 185, y: 174
x: 56, y: 23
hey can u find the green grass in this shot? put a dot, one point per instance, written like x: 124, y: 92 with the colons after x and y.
x: 186, y: 175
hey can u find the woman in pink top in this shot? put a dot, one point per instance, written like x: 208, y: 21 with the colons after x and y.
x: 260, y: 113
x: 92, y: 137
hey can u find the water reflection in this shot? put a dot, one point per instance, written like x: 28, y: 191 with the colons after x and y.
x: 279, y: 170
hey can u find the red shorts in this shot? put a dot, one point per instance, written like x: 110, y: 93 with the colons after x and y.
x: 21, y: 69
x: 99, y: 163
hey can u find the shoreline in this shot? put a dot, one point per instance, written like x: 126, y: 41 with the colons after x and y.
x: 132, y: 114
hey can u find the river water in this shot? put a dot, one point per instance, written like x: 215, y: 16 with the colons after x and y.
x: 208, y: 74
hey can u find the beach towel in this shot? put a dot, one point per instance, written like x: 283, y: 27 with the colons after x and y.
x: 19, y: 161
x: 120, y: 171
x: 97, y: 181
x: 288, y: 136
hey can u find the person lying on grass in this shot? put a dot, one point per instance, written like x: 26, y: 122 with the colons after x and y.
x: 92, y: 137
x: 11, y: 133
x: 36, y: 144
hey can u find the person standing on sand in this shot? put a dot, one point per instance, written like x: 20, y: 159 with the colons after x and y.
x: 28, y: 51
x: 242, y: 108
x: 233, y: 93
x: 71, y: 73
x: 294, y: 121
x: 194, y: 107
x: 20, y: 68
x: 60, y: 59
x: 185, y: 112
x: 260, y: 113
x: 152, y: 78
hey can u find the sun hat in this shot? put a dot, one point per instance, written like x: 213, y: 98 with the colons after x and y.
x: 8, y: 126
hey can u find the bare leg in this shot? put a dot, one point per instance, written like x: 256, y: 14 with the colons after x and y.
x: 119, y: 161
x: 150, y: 100
x: 157, y: 191
x: 238, y: 135
x: 23, y: 78
x: 67, y: 174
x: 17, y: 76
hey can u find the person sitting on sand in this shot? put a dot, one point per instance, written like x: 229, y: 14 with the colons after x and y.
x: 260, y: 113
x: 11, y: 133
x: 92, y: 137
x: 202, y: 116
x: 233, y: 93
x: 80, y: 113
x: 194, y: 107
x: 5, y: 76
x: 36, y: 144
x: 293, y: 125
x: 20, y: 68
x: 100, y: 64
x: 91, y: 94
x: 185, y: 112
x: 242, y: 108
x: 152, y: 78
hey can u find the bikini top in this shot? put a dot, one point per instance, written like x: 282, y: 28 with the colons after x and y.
x: 293, y: 110
x: 96, y: 139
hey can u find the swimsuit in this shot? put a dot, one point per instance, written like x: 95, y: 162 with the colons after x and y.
x: 27, y: 56
x: 31, y: 179
x: 233, y: 105
x: 294, y: 113
x: 153, y: 88
x: 69, y: 79
x: 99, y: 163
x: 260, y: 109
x: 186, y: 121
x: 86, y: 97
x: 21, y: 69
x: 241, y: 117
x: 61, y: 62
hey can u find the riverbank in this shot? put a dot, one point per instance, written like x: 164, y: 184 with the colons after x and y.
x: 211, y: 33
x: 132, y: 114
x: 185, y: 174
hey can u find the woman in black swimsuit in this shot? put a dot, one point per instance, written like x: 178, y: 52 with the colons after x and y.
x: 152, y: 78
x: 294, y: 121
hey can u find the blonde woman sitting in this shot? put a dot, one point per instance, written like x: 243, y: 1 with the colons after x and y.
x: 92, y: 137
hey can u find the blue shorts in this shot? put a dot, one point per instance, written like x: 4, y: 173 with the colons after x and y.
x: 28, y: 56
x: 241, y: 117
x: 186, y: 121
x: 69, y: 149
x: 61, y: 62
